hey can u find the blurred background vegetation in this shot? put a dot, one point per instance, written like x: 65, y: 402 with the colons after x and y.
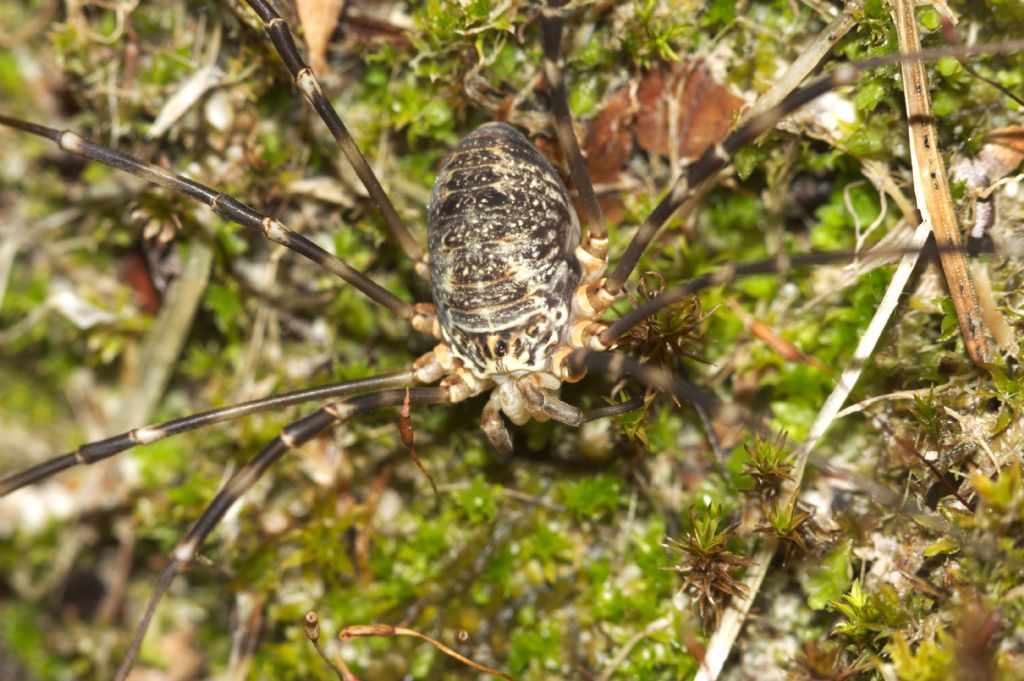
x: 123, y: 305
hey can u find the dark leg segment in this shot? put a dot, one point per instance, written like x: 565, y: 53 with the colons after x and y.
x: 777, y: 265
x: 221, y: 204
x: 294, y: 435
x: 618, y: 364
x: 632, y: 404
x: 719, y: 155
x: 551, y: 23
x: 97, y: 451
x: 712, y: 161
x: 284, y: 43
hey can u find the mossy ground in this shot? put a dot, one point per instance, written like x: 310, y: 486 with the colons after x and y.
x: 550, y: 561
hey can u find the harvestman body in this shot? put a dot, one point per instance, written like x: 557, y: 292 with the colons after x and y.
x: 502, y: 239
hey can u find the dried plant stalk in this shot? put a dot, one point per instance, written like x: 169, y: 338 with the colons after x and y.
x: 932, y: 188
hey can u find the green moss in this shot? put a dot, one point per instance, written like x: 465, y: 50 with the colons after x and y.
x: 592, y: 497
x: 831, y: 579
x: 933, y: 659
x: 479, y: 502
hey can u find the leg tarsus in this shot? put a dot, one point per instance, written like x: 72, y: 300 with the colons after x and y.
x: 166, y: 577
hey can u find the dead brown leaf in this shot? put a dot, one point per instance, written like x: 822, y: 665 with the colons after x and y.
x: 319, y: 18
x: 1003, y: 151
x: 703, y: 109
x: 608, y: 142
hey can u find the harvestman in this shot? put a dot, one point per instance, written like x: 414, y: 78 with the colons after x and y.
x: 519, y: 293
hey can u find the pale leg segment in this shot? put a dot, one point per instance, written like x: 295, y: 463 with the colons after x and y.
x: 436, y: 364
x: 441, y: 363
x: 589, y: 302
x: 425, y: 320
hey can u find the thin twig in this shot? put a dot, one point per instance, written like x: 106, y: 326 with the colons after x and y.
x: 720, y: 645
x: 311, y: 625
x: 722, y: 640
x: 931, y: 186
x: 364, y: 630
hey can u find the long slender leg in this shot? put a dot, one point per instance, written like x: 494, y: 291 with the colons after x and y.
x: 719, y: 155
x: 294, y: 435
x: 590, y: 339
x: 223, y: 205
x: 572, y: 363
x: 616, y: 364
x: 606, y: 337
x: 102, y: 449
x: 593, y: 251
x: 711, y: 161
x: 588, y: 333
x: 226, y: 207
x: 284, y: 43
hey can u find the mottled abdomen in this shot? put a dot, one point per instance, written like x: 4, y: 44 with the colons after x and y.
x: 502, y: 233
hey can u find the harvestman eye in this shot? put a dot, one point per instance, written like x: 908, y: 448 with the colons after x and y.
x: 506, y: 253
